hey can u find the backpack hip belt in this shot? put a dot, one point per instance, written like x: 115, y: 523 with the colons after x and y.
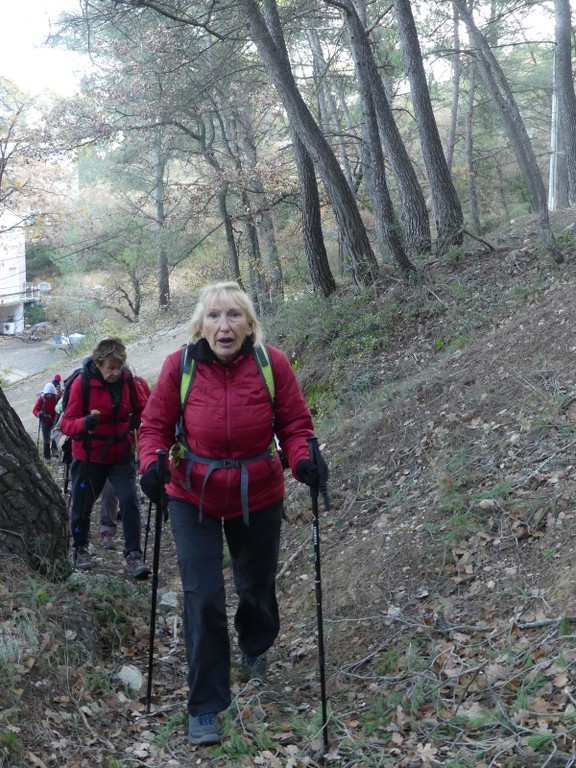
x: 213, y: 464
x: 180, y: 449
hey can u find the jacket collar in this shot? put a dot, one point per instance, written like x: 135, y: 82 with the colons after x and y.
x: 202, y: 352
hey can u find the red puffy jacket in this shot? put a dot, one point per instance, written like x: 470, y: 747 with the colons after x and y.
x: 228, y: 415
x: 46, y: 405
x: 120, y: 406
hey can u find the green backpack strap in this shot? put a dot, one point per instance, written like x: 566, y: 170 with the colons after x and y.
x: 188, y: 370
x: 262, y: 356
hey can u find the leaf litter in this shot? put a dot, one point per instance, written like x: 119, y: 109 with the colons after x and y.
x: 447, y: 564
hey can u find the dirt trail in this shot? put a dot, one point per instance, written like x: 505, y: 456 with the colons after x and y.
x: 146, y: 355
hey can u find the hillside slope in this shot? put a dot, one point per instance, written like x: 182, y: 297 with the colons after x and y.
x: 447, y: 557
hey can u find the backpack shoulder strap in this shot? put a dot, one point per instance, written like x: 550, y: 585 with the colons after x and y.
x: 85, y: 392
x: 187, y: 372
x: 264, y: 363
x: 132, y: 389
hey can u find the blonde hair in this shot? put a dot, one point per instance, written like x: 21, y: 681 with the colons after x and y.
x: 229, y: 294
x: 112, y: 348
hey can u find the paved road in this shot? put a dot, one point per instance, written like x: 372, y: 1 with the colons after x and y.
x: 19, y: 359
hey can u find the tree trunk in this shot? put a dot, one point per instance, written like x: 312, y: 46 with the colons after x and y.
x: 456, y: 76
x: 314, y: 247
x: 469, y: 150
x: 501, y: 93
x: 565, y: 90
x: 160, y: 222
x: 327, y: 103
x: 259, y: 285
x: 33, y: 516
x: 413, y: 211
x: 447, y: 209
x: 351, y: 226
x: 262, y: 216
x: 233, y: 261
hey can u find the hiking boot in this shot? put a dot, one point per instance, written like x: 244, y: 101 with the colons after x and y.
x: 107, y: 541
x: 82, y: 559
x: 135, y: 567
x: 253, y: 667
x: 204, y: 729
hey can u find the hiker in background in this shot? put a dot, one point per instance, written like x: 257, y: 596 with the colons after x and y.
x: 45, y: 411
x: 103, y: 405
x: 228, y: 480
x: 109, y: 510
x: 57, y: 383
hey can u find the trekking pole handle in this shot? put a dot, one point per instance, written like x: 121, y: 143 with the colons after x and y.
x: 93, y: 412
x: 161, y: 455
x: 316, y: 458
x: 161, y: 461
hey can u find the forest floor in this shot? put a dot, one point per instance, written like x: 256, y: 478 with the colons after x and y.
x: 448, y: 559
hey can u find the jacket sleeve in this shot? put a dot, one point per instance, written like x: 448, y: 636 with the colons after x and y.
x: 38, y: 407
x: 293, y: 421
x: 161, y: 414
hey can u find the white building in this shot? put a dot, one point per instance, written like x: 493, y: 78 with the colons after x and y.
x: 15, y: 292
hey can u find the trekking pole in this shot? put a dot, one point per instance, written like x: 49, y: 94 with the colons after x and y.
x: 161, y: 512
x: 147, y: 530
x: 321, y: 489
x: 39, y: 428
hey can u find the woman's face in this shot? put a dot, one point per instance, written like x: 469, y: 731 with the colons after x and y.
x: 225, y: 329
x: 110, y: 368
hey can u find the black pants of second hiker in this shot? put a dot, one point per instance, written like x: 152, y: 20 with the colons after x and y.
x: 88, y: 479
x: 47, y: 437
x: 254, y: 552
x: 108, y: 508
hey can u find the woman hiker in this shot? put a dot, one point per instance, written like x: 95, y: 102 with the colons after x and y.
x: 103, y: 407
x: 45, y: 410
x: 225, y: 478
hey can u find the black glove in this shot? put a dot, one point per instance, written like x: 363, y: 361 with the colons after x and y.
x: 309, y: 473
x: 152, y: 485
x: 90, y: 422
x: 134, y: 423
x: 40, y: 416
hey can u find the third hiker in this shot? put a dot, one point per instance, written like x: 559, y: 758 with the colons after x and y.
x: 45, y: 410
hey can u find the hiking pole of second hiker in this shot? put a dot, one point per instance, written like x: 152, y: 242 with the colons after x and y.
x: 314, y: 453
x: 147, y: 530
x: 161, y: 468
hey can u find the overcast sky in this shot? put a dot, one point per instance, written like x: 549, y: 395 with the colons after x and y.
x: 25, y: 26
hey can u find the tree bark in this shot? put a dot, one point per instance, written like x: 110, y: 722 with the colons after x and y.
x: 33, y: 516
x: 314, y: 246
x: 501, y: 93
x: 565, y: 90
x: 363, y: 262
x: 456, y: 76
x: 445, y: 202
x: 160, y: 222
x: 413, y: 211
x: 469, y: 151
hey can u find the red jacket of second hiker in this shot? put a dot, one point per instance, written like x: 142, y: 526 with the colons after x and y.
x: 112, y: 440
x: 228, y: 415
